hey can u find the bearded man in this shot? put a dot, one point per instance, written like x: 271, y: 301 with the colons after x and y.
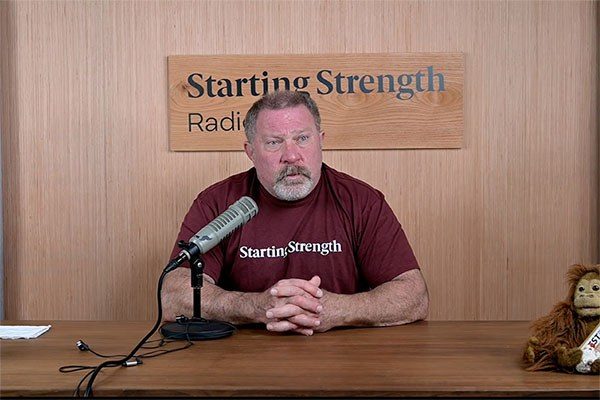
x: 325, y: 249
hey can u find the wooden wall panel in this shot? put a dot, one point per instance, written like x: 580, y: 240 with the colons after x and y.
x: 93, y: 198
x: 553, y: 162
x: 6, y: 125
x: 9, y: 125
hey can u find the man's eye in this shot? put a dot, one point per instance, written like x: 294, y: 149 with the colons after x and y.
x: 303, y: 139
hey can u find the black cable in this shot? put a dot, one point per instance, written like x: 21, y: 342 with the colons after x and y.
x: 156, y: 351
x: 106, y: 356
x: 77, y: 393
x: 74, y: 368
x: 88, y: 390
x: 81, y: 345
x: 150, y: 354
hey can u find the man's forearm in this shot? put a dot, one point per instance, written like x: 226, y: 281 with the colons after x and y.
x: 400, y: 301
x: 233, y: 307
x: 216, y: 303
x: 396, y: 302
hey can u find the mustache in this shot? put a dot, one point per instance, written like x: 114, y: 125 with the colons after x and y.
x: 293, y: 170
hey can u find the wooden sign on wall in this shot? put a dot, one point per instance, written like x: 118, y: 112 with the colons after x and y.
x: 367, y: 101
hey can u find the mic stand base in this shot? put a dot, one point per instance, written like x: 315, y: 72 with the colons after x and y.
x: 196, y: 329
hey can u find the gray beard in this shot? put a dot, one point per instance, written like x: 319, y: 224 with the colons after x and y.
x: 293, y: 191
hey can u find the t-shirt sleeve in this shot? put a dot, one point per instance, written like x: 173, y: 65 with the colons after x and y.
x: 198, y: 216
x: 383, y: 250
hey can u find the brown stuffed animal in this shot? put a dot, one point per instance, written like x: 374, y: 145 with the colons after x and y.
x: 557, y: 336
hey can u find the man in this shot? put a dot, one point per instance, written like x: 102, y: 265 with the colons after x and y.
x: 325, y: 249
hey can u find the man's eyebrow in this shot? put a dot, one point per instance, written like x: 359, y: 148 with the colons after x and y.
x: 294, y: 132
x: 304, y: 130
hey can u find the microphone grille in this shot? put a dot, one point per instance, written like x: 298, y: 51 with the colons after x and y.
x: 235, y: 216
x: 222, y: 226
x: 247, y: 207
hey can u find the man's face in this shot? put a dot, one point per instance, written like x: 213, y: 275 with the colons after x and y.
x: 286, y: 152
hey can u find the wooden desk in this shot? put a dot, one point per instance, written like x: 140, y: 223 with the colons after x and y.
x: 426, y: 358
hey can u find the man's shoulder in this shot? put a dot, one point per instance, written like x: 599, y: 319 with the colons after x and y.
x: 229, y: 189
x: 348, y: 186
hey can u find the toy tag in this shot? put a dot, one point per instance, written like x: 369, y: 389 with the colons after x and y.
x: 591, y: 351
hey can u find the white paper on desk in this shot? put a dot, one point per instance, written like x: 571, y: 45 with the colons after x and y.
x: 22, y: 332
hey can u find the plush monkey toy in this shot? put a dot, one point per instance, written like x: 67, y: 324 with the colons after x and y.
x: 557, y: 336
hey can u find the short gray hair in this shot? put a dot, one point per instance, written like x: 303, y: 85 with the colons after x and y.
x: 276, y: 101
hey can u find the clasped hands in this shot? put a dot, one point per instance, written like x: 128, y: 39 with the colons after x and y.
x: 296, y: 305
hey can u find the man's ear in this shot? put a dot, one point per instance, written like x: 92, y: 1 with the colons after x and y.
x: 322, y: 138
x: 249, y: 151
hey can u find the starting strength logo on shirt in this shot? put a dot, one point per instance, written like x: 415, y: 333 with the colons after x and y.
x: 292, y: 247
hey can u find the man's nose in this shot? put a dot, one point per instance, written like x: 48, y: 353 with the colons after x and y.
x: 291, y: 153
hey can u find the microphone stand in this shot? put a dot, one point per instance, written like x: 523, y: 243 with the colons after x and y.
x: 195, y: 328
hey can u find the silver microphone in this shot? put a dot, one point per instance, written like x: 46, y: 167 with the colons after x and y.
x: 219, y: 228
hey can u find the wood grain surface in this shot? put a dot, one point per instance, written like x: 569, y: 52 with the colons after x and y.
x: 423, y: 359
x: 93, y: 198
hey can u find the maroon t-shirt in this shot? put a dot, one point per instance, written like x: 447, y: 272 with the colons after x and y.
x: 344, y: 231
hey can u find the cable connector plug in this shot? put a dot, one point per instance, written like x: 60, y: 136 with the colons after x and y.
x: 82, y: 346
x: 133, y: 363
